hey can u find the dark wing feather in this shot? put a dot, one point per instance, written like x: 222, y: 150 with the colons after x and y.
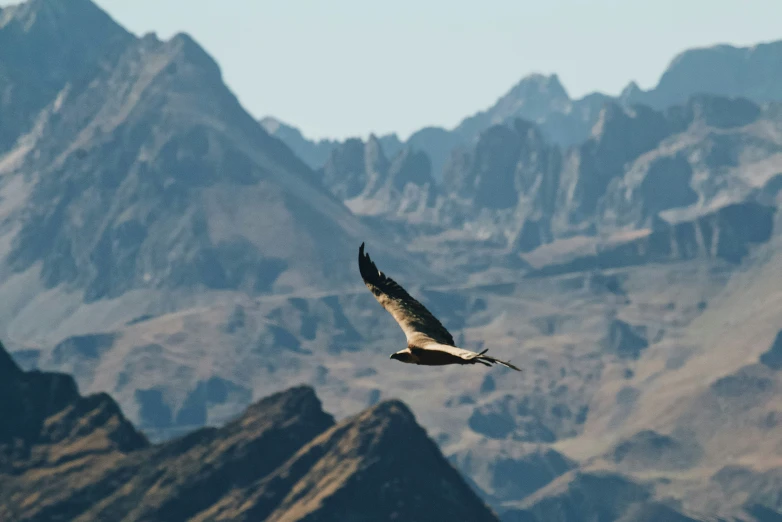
x: 419, y: 325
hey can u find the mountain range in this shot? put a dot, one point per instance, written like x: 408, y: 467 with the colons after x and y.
x: 752, y: 73
x: 68, y: 457
x: 167, y: 250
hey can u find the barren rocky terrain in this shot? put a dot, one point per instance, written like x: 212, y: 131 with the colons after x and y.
x: 160, y: 245
x: 68, y: 457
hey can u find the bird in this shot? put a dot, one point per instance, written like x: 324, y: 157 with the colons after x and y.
x: 429, y: 343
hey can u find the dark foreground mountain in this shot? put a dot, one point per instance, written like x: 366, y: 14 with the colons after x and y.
x: 67, y: 457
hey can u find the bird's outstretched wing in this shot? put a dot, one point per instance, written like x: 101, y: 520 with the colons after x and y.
x: 418, y: 323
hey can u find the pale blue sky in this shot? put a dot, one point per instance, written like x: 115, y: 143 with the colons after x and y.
x: 347, y: 67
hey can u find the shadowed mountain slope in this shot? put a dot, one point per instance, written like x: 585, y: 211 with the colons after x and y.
x: 63, y: 456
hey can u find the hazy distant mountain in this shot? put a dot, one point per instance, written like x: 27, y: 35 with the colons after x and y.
x: 269, y: 464
x: 372, y: 184
x: 315, y: 153
x: 753, y: 72
x: 544, y: 101
x: 637, y: 167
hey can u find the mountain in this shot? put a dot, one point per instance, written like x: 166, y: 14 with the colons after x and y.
x: 378, y: 465
x: 537, y: 98
x: 315, y: 153
x: 510, y: 166
x: 312, y: 153
x: 137, y: 172
x: 162, y: 247
x: 638, y: 167
x: 64, y: 455
x: 43, y: 45
x: 722, y: 70
x: 579, y: 497
x: 46, y: 423
x: 543, y: 100
x: 369, y: 183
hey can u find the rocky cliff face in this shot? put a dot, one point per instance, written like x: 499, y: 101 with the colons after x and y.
x: 313, y: 153
x: 46, y: 423
x: 542, y: 100
x: 110, y: 194
x: 639, y: 167
x: 355, y: 167
x: 45, y: 45
x: 727, y: 233
x: 746, y: 72
x: 80, y: 459
x: 619, y: 136
x: 136, y: 170
x: 509, y: 166
x: 361, y: 174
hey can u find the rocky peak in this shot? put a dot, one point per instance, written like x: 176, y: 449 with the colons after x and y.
x: 231, y: 458
x: 620, y: 135
x: 508, y: 162
x: 630, y: 95
x: 299, y: 404
x: 410, y: 166
x: 269, y: 464
x: 44, y: 46
x: 389, y: 469
x: 385, y: 422
x: 724, y: 70
x: 537, y: 98
x: 55, y: 16
x: 353, y: 166
x: 361, y: 170
x: 487, y: 176
x: 438, y: 144
x: 375, y: 161
x: 184, y: 50
x: 361, y: 174
x: 534, y: 94
x: 39, y: 409
x: 28, y: 399
x: 185, y: 183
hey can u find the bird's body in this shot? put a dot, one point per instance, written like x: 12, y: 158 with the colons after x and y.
x: 429, y: 343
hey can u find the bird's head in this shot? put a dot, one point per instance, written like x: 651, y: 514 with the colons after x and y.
x: 401, y: 356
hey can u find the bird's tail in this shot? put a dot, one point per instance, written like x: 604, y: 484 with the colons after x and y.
x: 488, y: 360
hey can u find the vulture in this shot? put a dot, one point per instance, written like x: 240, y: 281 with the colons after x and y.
x: 428, y: 341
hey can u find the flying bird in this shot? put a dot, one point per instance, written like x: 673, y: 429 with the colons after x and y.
x: 428, y: 341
